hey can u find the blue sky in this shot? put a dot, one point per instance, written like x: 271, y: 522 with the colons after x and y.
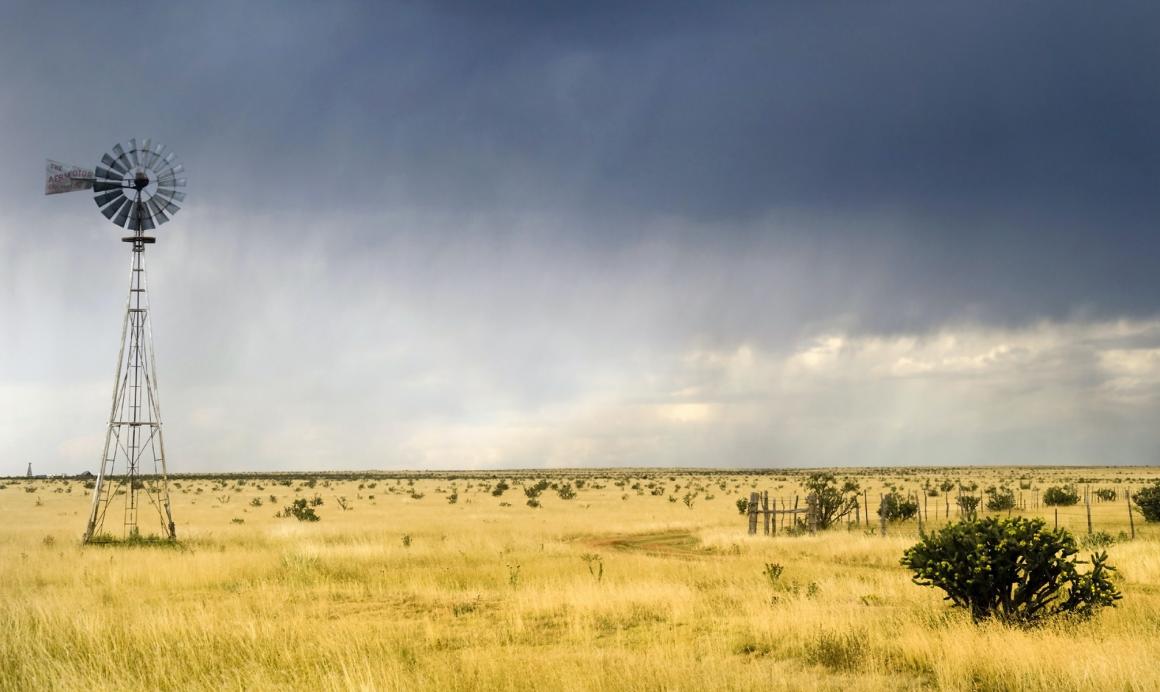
x: 439, y: 235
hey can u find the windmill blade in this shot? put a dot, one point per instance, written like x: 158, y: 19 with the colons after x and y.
x: 145, y: 219
x: 108, y: 174
x: 133, y: 151
x: 106, y: 197
x: 123, y: 215
x: 114, y: 164
x: 169, y: 194
x: 146, y: 154
x: 106, y: 185
x: 155, y: 208
x: 168, y: 206
x: 111, y: 210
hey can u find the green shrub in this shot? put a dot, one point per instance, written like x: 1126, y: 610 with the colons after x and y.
x: 833, y: 501
x: 1106, y: 494
x: 742, y: 505
x: 300, y: 510
x: 1000, y: 499
x: 1148, y: 500
x: 969, y: 506
x: 1013, y: 570
x: 895, y: 507
x: 1060, y: 496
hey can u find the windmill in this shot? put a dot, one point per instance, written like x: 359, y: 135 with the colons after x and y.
x: 137, y: 187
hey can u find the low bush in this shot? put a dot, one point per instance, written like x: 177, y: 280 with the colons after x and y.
x: 968, y: 506
x: 1000, y: 499
x: 1148, y: 500
x: 300, y: 510
x: 896, y: 507
x: 1060, y: 496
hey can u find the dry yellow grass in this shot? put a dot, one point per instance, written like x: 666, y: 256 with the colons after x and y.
x: 494, y: 597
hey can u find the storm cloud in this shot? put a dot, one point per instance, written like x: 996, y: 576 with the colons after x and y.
x: 437, y: 235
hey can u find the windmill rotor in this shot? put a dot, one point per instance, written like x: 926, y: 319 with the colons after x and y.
x: 138, y: 187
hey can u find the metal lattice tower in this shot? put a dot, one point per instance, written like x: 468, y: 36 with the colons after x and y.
x: 136, y: 188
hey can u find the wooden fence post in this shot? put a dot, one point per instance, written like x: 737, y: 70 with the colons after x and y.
x: 765, y: 510
x: 882, y: 514
x: 1087, y: 502
x: 812, y: 512
x: 866, y: 507
x: 920, y: 531
x: 753, y: 513
x: 773, y: 502
x: 1131, y: 519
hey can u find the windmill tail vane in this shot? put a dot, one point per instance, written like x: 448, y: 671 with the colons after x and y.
x: 138, y: 187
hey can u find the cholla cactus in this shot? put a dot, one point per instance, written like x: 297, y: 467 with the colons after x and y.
x: 1013, y: 570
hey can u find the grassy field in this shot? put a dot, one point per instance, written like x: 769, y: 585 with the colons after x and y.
x: 616, y: 588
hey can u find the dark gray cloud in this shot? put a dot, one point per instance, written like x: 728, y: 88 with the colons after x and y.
x: 457, y: 214
x: 1008, y: 150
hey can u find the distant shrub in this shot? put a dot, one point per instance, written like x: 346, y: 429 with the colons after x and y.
x: 833, y: 502
x: 1060, y: 496
x: 300, y: 510
x: 499, y: 488
x: 1148, y: 500
x: 453, y: 497
x: 743, y: 505
x: 1013, y: 570
x: 968, y: 506
x: 566, y: 492
x: 1098, y: 539
x: 896, y: 507
x: 946, y: 486
x: 1106, y: 494
x: 1000, y: 499
x: 595, y: 565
